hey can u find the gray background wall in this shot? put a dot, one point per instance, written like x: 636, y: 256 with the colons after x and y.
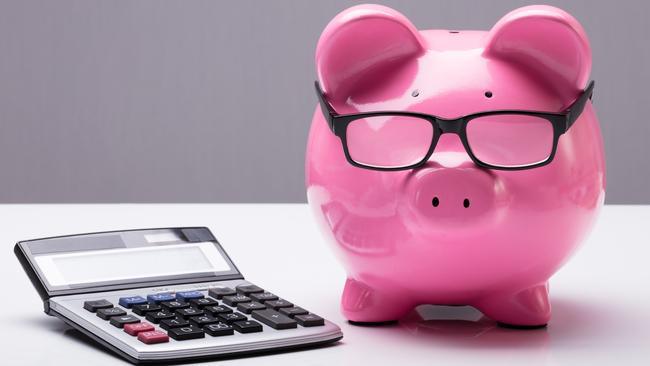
x: 210, y: 101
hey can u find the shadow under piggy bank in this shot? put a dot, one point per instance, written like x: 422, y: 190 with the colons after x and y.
x: 465, y: 327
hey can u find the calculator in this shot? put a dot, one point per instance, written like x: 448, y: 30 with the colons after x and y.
x: 164, y: 295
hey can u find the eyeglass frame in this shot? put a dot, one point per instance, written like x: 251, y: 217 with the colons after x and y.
x: 561, y: 122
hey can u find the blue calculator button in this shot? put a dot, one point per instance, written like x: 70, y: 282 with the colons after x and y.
x: 128, y: 302
x: 188, y: 295
x: 156, y: 298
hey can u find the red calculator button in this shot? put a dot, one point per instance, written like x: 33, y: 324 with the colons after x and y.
x: 135, y: 328
x: 154, y: 336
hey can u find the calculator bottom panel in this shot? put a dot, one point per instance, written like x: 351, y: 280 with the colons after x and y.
x: 70, y: 309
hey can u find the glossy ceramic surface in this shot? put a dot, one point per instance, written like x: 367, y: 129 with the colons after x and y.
x: 495, y: 237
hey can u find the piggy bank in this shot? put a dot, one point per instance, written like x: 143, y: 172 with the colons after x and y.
x: 454, y: 167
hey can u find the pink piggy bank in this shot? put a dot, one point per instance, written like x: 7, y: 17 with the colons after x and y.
x: 454, y: 167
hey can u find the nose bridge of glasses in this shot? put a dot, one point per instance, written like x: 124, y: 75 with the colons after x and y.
x: 450, y: 125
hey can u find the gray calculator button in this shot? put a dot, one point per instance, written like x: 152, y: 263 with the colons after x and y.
x: 95, y: 305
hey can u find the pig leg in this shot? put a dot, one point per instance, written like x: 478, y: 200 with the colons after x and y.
x: 529, y: 308
x: 363, y: 304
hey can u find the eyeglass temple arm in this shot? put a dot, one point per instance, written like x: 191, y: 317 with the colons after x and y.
x: 325, y: 106
x: 579, y: 105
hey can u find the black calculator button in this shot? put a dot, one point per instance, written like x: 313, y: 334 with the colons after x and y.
x: 248, y: 307
x: 263, y: 296
x: 309, y: 320
x: 216, y: 310
x: 219, y: 329
x: 110, y: 312
x: 202, y: 320
x: 145, y: 308
x: 187, y: 312
x: 247, y: 326
x: 157, y: 316
x: 232, y: 317
x: 176, y: 322
x: 249, y: 289
x: 174, y: 305
x: 95, y: 305
x: 119, y: 321
x: 186, y: 332
x: 220, y: 292
x: 236, y: 299
x: 201, y: 303
x: 274, y: 319
x: 291, y: 312
x: 277, y: 304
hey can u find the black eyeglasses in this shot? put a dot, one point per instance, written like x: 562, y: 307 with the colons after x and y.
x: 502, y: 139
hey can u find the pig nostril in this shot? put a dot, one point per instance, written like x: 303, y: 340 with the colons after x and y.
x: 466, y: 203
x: 435, y: 202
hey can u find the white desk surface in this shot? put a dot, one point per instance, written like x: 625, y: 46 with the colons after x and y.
x: 601, y: 298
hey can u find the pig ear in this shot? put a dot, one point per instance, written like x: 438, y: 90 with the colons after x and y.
x: 360, y: 43
x: 545, y: 41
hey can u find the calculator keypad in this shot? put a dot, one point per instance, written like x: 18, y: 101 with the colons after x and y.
x: 190, y: 314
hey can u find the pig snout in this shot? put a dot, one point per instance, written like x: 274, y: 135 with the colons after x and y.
x: 451, y: 195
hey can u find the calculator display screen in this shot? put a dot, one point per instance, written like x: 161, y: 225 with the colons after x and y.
x: 116, y: 260
x: 130, y: 263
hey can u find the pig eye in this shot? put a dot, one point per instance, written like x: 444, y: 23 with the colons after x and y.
x: 488, y: 94
x: 415, y: 93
